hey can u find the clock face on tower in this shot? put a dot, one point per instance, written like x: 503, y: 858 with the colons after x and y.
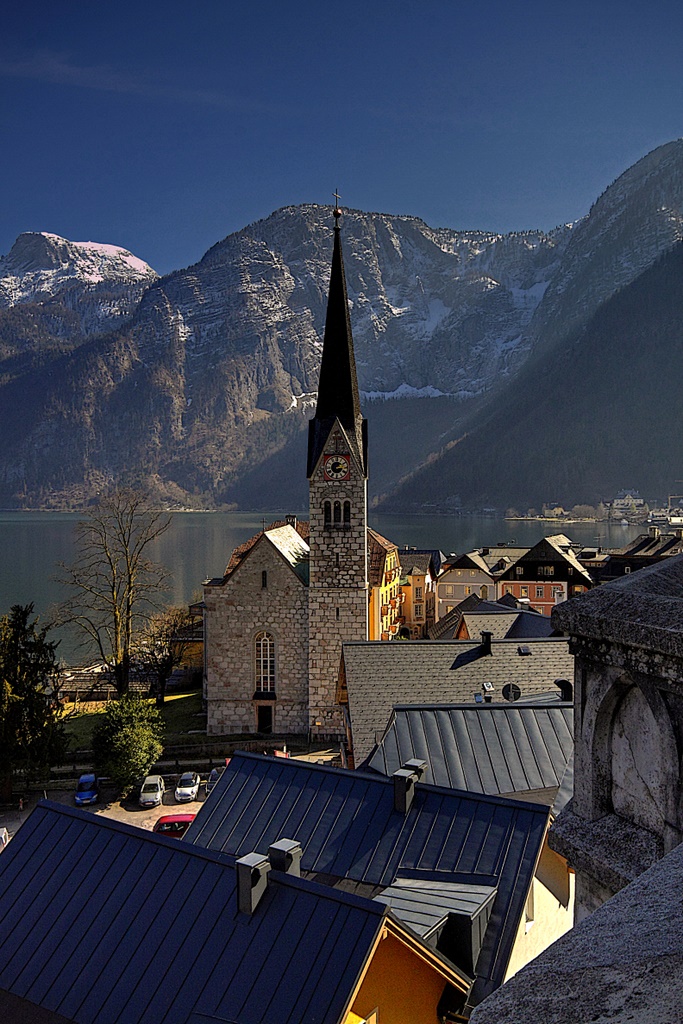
x: 336, y: 467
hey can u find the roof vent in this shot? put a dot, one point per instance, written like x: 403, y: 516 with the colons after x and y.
x: 511, y: 692
x: 291, y: 520
x: 252, y: 881
x: 404, y: 789
x: 566, y: 690
x: 524, y: 650
x: 285, y: 855
x: 486, y: 635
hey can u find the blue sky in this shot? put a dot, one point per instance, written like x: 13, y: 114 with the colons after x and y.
x: 163, y: 127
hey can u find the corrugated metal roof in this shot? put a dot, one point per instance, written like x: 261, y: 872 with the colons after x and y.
x: 347, y: 826
x: 381, y: 675
x: 104, y: 922
x: 483, y: 748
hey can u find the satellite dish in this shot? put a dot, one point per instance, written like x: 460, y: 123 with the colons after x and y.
x: 511, y: 692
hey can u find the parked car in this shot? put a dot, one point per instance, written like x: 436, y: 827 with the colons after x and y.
x: 187, y: 787
x: 174, y: 825
x: 152, y: 791
x: 213, y: 778
x: 87, y: 790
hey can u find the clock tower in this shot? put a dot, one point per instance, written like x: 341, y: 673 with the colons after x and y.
x: 337, y: 474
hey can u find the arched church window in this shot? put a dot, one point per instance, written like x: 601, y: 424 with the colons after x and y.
x: 347, y: 514
x: 264, y: 644
x: 327, y: 514
x: 337, y: 513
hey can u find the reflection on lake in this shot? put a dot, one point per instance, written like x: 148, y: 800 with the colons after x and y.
x: 198, y: 545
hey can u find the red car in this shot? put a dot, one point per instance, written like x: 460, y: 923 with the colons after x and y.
x: 175, y: 825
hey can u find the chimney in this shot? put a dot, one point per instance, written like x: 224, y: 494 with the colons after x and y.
x: 566, y: 690
x: 417, y: 765
x: 252, y: 881
x: 486, y: 635
x: 285, y: 855
x: 404, y: 789
x: 291, y: 520
x: 654, y: 532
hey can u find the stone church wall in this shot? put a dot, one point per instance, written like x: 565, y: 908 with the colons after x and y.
x: 236, y: 611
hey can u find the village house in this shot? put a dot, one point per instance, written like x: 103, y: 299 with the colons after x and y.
x: 546, y: 575
x: 468, y: 574
x: 418, y: 585
x: 373, y: 677
x: 461, y: 870
x: 170, y: 932
x: 505, y: 619
x: 385, y: 611
x: 646, y: 549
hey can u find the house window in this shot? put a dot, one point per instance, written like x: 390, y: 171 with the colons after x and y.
x: 519, y: 570
x: 449, y: 608
x: 419, y: 611
x: 523, y: 591
x: 540, y: 591
x: 468, y: 591
x: 264, y: 580
x: 264, y: 644
x: 450, y: 590
x: 484, y: 592
x: 627, y: 568
x: 418, y: 593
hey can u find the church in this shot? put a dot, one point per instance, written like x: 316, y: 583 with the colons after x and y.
x: 292, y: 594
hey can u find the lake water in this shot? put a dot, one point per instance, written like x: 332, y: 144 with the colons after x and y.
x: 198, y: 545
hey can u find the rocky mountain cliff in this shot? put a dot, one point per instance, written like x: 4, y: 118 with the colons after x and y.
x: 203, y: 393
x: 582, y: 421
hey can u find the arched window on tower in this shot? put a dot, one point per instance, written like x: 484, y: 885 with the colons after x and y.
x: 327, y: 514
x: 264, y: 662
x: 347, y: 515
x: 337, y: 513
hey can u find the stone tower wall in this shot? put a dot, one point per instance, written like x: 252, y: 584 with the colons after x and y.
x: 338, y: 591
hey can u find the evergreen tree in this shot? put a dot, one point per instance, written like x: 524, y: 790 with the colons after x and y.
x: 31, y: 734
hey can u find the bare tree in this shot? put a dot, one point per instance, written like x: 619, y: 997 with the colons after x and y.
x: 115, y: 585
x: 162, y: 645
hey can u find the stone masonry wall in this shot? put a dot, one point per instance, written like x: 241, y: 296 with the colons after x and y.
x: 236, y: 611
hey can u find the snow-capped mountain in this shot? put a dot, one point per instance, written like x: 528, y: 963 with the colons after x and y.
x: 101, y: 283
x: 204, y: 390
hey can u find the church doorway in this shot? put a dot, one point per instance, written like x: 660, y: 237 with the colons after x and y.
x: 264, y: 718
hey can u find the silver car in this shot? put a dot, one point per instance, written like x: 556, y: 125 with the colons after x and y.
x: 152, y: 791
x: 187, y: 787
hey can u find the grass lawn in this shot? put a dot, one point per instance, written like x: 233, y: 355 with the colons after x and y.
x: 181, y: 712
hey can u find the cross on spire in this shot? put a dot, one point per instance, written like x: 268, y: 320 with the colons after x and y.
x: 337, y: 212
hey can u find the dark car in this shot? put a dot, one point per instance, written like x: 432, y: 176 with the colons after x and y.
x: 213, y: 778
x: 87, y: 790
x: 175, y: 825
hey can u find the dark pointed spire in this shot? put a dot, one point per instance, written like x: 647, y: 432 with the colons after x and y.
x: 338, y: 395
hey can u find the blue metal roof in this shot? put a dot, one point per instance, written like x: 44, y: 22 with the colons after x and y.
x: 348, y: 828
x: 104, y: 922
x: 484, y: 748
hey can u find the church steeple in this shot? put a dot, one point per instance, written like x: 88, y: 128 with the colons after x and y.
x: 338, y: 396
